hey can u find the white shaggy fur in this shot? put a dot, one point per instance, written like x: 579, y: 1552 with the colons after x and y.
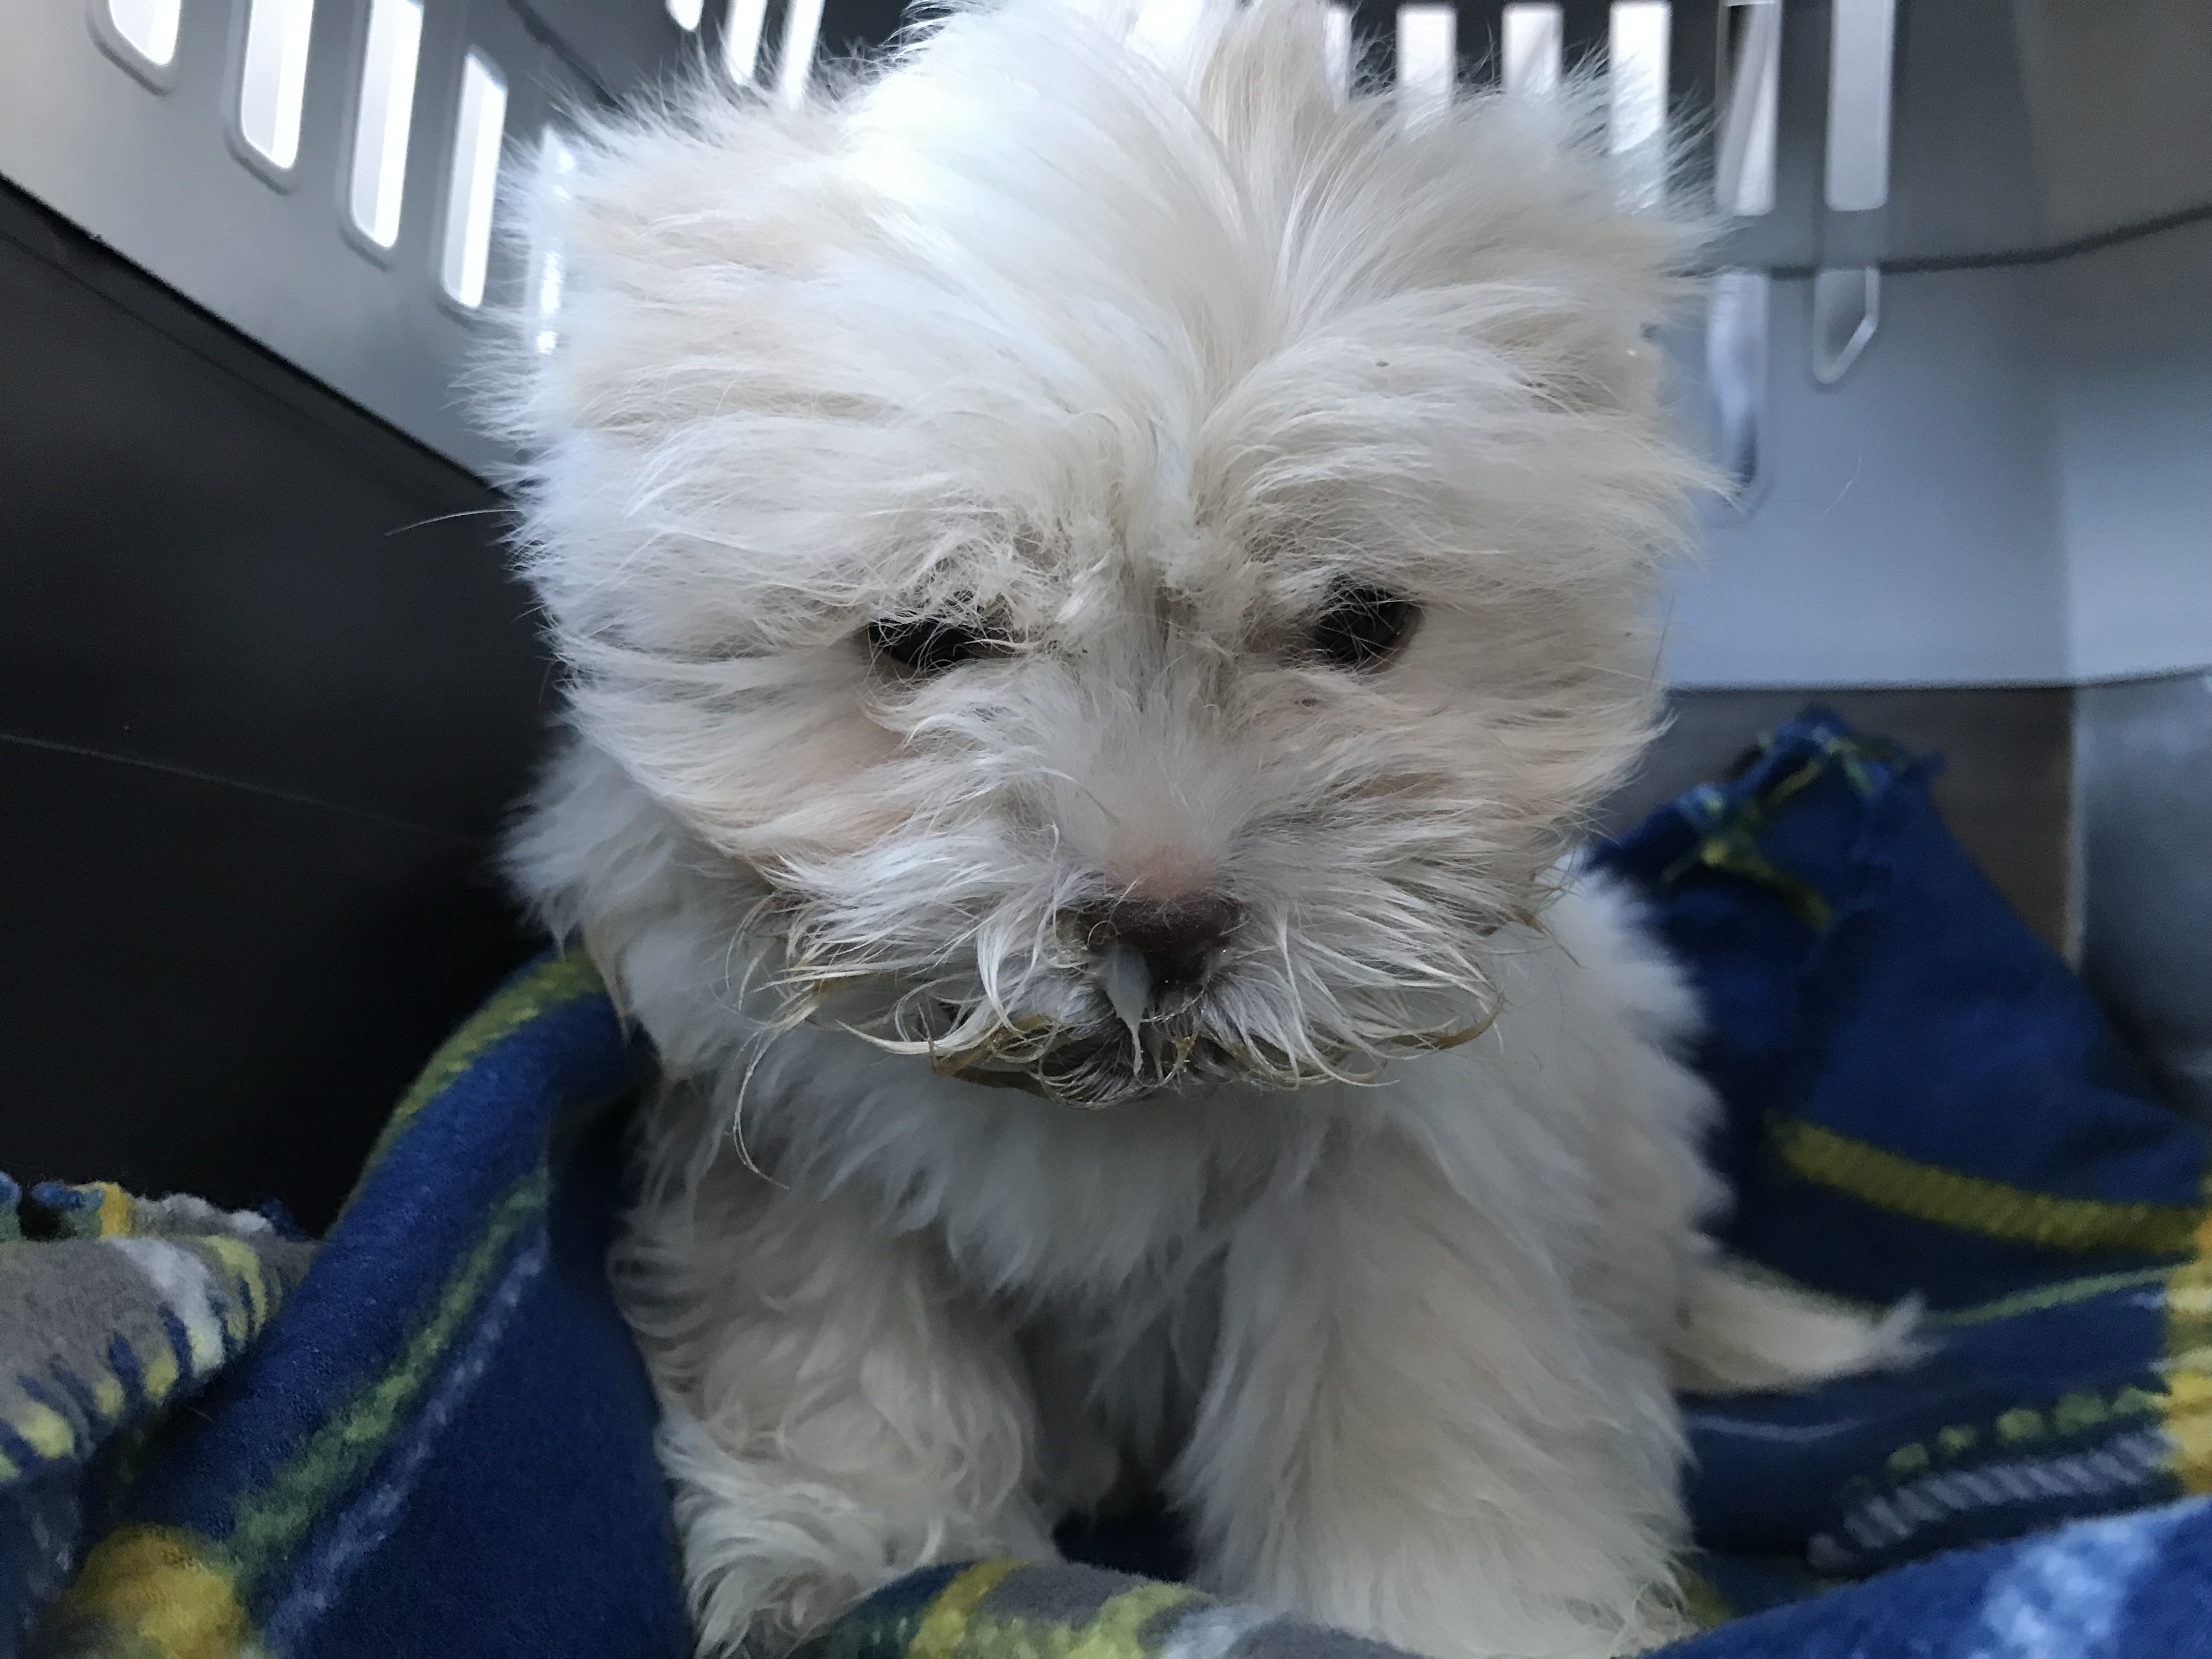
x: 1126, y: 350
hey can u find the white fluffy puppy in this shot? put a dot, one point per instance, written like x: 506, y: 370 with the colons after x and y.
x: 1091, y: 559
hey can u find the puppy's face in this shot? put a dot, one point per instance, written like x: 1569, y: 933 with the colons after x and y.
x: 1142, y: 557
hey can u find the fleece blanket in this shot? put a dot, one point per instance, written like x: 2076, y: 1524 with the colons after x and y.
x: 441, y: 1445
x: 110, y: 1308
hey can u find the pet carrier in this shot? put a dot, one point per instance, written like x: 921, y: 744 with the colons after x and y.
x: 268, y: 689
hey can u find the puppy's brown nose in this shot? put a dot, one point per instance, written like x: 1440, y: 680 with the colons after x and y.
x: 1177, y: 937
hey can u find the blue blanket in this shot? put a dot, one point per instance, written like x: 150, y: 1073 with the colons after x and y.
x: 441, y: 1445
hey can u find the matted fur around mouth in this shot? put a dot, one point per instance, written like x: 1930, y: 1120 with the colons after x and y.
x: 1096, y: 1065
x: 1090, y: 1064
x: 1043, y: 1023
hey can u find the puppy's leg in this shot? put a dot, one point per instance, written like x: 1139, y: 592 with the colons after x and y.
x: 837, y: 1411
x: 1745, y: 1335
x: 1418, y: 1429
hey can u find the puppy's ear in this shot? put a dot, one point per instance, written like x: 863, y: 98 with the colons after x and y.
x: 1520, y: 196
x: 1561, y: 249
x: 1530, y: 203
x: 672, y: 231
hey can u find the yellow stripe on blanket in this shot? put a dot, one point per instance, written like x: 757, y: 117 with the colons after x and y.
x: 946, y: 1622
x: 1115, y: 1630
x: 157, y: 1592
x: 1973, y: 1205
x: 116, y: 1219
x: 957, y: 1625
x: 45, y: 1430
x: 2188, y: 1402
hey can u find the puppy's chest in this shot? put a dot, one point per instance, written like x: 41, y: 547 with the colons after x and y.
x: 1105, y: 1222
x: 1050, y: 1204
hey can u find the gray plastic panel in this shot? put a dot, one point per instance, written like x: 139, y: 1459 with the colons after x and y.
x: 619, y: 44
x: 2011, y: 482
x: 2144, y: 789
x: 150, y: 170
x: 1903, y: 527
x: 2119, y: 101
x: 2130, y: 352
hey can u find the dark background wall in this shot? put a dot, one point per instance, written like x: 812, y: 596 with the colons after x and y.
x: 265, y: 694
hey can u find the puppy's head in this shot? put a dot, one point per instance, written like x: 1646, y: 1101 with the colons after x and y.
x: 1142, y: 555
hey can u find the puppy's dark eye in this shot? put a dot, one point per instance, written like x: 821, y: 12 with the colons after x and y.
x: 1362, y: 627
x: 927, y: 645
